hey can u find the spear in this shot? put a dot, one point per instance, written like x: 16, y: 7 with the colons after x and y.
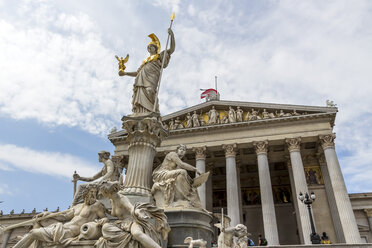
x: 162, y: 64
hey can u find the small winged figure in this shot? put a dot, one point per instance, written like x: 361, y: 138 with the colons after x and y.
x: 201, y: 243
x: 121, y: 63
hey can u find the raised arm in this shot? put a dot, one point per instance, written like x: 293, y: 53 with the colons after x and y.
x: 131, y: 74
x: 89, y: 179
x: 172, y: 42
x: 182, y: 164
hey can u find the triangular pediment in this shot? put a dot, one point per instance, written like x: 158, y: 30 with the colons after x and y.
x: 250, y: 113
x: 227, y: 113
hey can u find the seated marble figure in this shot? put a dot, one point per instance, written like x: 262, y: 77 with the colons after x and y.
x: 173, y: 187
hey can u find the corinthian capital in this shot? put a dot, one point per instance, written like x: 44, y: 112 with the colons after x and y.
x: 327, y: 141
x: 200, y: 152
x: 293, y: 144
x: 230, y: 150
x: 368, y: 212
x: 261, y: 147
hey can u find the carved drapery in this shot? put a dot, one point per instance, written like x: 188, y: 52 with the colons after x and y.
x: 200, y: 152
x: 293, y: 144
x: 327, y: 141
x: 261, y: 147
x: 230, y: 150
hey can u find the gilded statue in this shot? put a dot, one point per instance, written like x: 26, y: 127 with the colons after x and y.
x: 121, y: 63
x: 148, y: 74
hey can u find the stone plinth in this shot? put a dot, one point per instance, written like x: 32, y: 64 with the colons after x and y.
x: 144, y: 134
x: 188, y: 223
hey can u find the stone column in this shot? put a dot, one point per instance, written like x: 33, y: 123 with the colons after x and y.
x: 232, y: 189
x: 200, y: 155
x: 300, y: 184
x: 331, y: 199
x: 267, y: 200
x: 345, y: 211
x: 144, y: 134
x: 209, y: 188
x: 369, y: 216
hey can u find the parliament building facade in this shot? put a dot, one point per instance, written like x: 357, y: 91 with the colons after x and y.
x: 261, y: 157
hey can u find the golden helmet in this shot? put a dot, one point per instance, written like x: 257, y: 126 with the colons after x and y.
x: 155, y: 41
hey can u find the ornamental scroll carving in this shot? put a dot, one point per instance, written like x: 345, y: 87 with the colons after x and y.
x: 293, y: 144
x: 261, y: 147
x: 230, y: 150
x: 200, y: 152
x: 327, y: 141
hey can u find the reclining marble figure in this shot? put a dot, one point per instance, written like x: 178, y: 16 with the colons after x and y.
x: 173, y: 187
x: 134, y: 229
x: 62, y: 234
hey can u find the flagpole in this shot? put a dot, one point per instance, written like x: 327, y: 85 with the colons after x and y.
x: 162, y: 64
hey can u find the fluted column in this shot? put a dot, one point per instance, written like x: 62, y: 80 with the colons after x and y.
x: 200, y: 155
x: 345, y: 210
x: 232, y: 189
x: 144, y: 134
x: 299, y: 179
x: 331, y: 199
x: 267, y: 200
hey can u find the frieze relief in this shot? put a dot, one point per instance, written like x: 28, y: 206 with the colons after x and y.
x: 234, y: 114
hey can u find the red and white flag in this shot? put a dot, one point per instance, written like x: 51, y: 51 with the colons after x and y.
x: 208, y: 92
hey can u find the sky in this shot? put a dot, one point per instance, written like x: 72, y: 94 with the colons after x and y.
x: 60, y: 94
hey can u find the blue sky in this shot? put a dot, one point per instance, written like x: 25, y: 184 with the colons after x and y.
x: 60, y: 94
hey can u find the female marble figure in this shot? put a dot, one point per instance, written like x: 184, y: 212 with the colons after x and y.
x: 232, y: 115
x: 147, y: 76
x: 188, y: 120
x: 213, y: 116
x: 195, y: 119
x: 239, y: 114
x: 172, y: 184
x: 134, y: 229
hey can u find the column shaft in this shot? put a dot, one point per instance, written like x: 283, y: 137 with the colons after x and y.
x: 345, y: 210
x: 200, y: 155
x: 300, y: 186
x: 232, y: 189
x: 267, y: 200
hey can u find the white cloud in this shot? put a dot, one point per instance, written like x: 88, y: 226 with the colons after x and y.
x: 51, y: 163
x: 58, y: 66
x: 5, y: 190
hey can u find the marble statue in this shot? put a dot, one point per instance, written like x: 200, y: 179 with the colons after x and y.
x: 232, y: 115
x: 227, y: 234
x: 282, y: 114
x: 195, y: 120
x: 213, y: 116
x: 61, y: 234
x: 173, y: 187
x: 265, y: 114
x: 147, y: 76
x: 330, y: 104
x: 178, y: 124
x: 171, y: 124
x: 294, y: 113
x: 188, y: 120
x: 239, y: 114
x: 201, y: 243
x: 225, y: 119
x: 108, y: 172
x: 254, y: 115
x: 134, y: 227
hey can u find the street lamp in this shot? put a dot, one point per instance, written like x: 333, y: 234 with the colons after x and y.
x: 308, y: 200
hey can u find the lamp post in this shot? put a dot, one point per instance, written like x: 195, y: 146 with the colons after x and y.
x: 308, y: 200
